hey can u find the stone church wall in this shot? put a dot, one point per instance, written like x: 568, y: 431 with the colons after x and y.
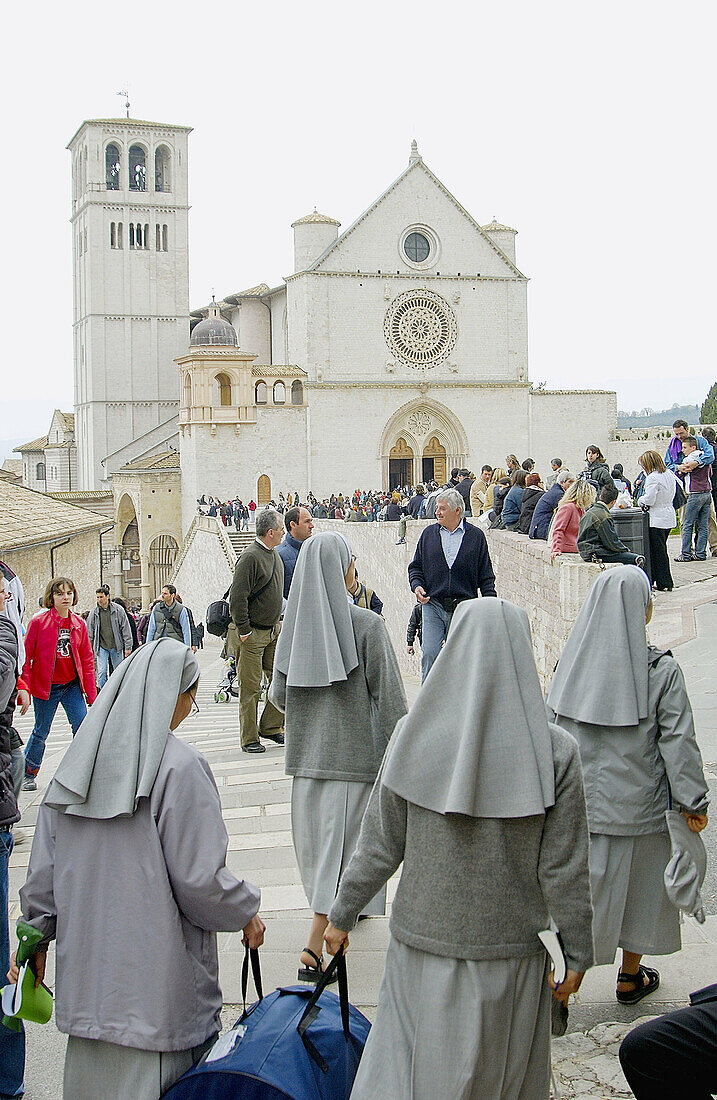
x: 564, y: 422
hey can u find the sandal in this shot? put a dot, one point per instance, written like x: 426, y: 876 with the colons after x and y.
x: 649, y: 986
x: 313, y: 973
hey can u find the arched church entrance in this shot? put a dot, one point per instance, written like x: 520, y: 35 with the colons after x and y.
x: 434, y: 462
x: 129, y: 552
x: 400, y: 464
x: 263, y: 489
x: 422, y: 441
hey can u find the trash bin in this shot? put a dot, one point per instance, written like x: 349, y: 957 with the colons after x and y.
x: 633, y: 527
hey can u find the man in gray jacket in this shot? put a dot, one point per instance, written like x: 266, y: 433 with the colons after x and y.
x: 110, y: 634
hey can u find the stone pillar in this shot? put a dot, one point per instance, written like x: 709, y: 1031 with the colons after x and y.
x: 144, y: 585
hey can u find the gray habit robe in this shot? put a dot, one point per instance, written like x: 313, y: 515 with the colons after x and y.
x: 140, y: 900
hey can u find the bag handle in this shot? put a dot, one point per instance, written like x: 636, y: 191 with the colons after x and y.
x: 251, y: 953
x: 338, y: 963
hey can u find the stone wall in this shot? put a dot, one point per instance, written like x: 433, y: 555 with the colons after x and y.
x: 551, y: 593
x: 205, y: 566
x: 78, y: 559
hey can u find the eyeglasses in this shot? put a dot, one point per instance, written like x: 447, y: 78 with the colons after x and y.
x: 195, y: 704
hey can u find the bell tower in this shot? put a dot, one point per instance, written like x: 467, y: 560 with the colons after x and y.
x: 130, y: 268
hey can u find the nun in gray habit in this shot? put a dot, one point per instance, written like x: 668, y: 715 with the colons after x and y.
x: 337, y: 679
x: 128, y: 874
x: 626, y: 704
x: 483, y: 804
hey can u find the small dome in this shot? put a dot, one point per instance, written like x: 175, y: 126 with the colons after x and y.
x: 496, y: 227
x: 214, y: 330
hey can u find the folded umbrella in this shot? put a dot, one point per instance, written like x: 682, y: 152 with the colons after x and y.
x: 686, y: 869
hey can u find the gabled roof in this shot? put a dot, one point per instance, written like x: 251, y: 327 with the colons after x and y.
x: 165, y: 460
x: 417, y: 165
x: 35, y: 445
x: 315, y: 219
x: 28, y: 518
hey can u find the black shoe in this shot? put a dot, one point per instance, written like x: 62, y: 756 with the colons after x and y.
x: 683, y: 558
x: 700, y: 557
x: 253, y: 746
x: 277, y: 738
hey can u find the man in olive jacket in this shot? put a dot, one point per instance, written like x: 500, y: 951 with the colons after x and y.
x: 255, y: 602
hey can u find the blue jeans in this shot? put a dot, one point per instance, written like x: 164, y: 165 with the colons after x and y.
x: 73, y: 703
x: 12, y: 1043
x: 697, y: 519
x: 436, y: 621
x: 116, y: 656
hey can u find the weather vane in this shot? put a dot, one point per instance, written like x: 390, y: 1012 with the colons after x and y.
x: 126, y: 96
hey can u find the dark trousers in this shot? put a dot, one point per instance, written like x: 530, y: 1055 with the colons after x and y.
x: 661, y: 574
x: 673, y: 1056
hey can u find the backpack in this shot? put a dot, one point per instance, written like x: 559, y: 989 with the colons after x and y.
x: 298, y: 1043
x: 218, y: 617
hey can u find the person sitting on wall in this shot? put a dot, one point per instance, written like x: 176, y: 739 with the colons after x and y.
x: 597, y: 538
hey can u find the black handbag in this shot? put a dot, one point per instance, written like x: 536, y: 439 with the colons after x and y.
x: 679, y: 500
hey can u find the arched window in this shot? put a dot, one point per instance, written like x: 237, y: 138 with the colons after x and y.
x: 145, y: 237
x: 137, y: 168
x: 162, y: 169
x: 187, y: 391
x: 297, y: 393
x: 164, y: 238
x: 279, y: 393
x: 40, y: 471
x: 131, y: 234
x: 222, y: 390
x: 115, y: 234
x: 158, y: 237
x: 260, y: 393
x: 112, y: 168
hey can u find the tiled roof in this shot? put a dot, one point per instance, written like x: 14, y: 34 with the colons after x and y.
x: 13, y: 466
x: 278, y: 371
x: 314, y: 218
x: 166, y: 460
x: 496, y: 227
x: 35, y: 445
x: 76, y: 495
x: 252, y: 292
x: 27, y: 518
x: 69, y: 419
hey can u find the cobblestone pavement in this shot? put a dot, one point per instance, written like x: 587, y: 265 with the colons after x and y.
x: 255, y: 798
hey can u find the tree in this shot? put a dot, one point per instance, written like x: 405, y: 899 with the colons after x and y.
x: 708, y: 413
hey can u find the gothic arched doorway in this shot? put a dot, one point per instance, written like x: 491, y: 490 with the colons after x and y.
x: 263, y: 489
x: 162, y: 555
x: 434, y: 461
x: 400, y: 464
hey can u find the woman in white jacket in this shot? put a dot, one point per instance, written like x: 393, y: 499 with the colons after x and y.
x: 660, y: 486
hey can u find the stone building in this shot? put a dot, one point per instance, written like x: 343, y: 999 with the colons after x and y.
x: 395, y: 351
x: 130, y: 267
x: 42, y: 538
x: 49, y: 464
x: 148, y: 528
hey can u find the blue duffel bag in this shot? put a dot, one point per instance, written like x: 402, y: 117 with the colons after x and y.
x: 298, y: 1043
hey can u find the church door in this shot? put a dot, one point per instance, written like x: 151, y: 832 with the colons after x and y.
x: 263, y: 490
x: 400, y: 464
x: 434, y: 461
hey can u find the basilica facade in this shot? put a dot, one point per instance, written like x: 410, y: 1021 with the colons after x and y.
x: 394, y: 351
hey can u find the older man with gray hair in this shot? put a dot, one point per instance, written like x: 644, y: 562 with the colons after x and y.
x: 451, y: 564
x: 255, y: 602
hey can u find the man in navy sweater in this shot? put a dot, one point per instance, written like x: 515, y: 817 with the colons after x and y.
x: 451, y: 564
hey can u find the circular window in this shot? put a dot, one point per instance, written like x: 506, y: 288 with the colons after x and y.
x: 417, y: 247
x: 420, y: 328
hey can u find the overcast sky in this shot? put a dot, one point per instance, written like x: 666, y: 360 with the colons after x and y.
x: 589, y: 128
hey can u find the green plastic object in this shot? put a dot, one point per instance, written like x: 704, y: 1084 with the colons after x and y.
x: 29, y: 1002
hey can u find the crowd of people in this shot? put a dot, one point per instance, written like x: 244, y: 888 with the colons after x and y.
x: 505, y: 809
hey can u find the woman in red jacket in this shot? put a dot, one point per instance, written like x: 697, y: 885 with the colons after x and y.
x: 563, y: 534
x: 59, y: 669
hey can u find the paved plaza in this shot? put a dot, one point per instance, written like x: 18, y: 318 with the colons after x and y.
x: 255, y: 797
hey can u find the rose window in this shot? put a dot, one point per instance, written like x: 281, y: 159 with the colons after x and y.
x: 420, y: 328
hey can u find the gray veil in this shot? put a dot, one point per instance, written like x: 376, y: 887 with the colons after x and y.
x: 477, y: 741
x: 114, y: 758
x: 317, y: 645
x: 602, y: 675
